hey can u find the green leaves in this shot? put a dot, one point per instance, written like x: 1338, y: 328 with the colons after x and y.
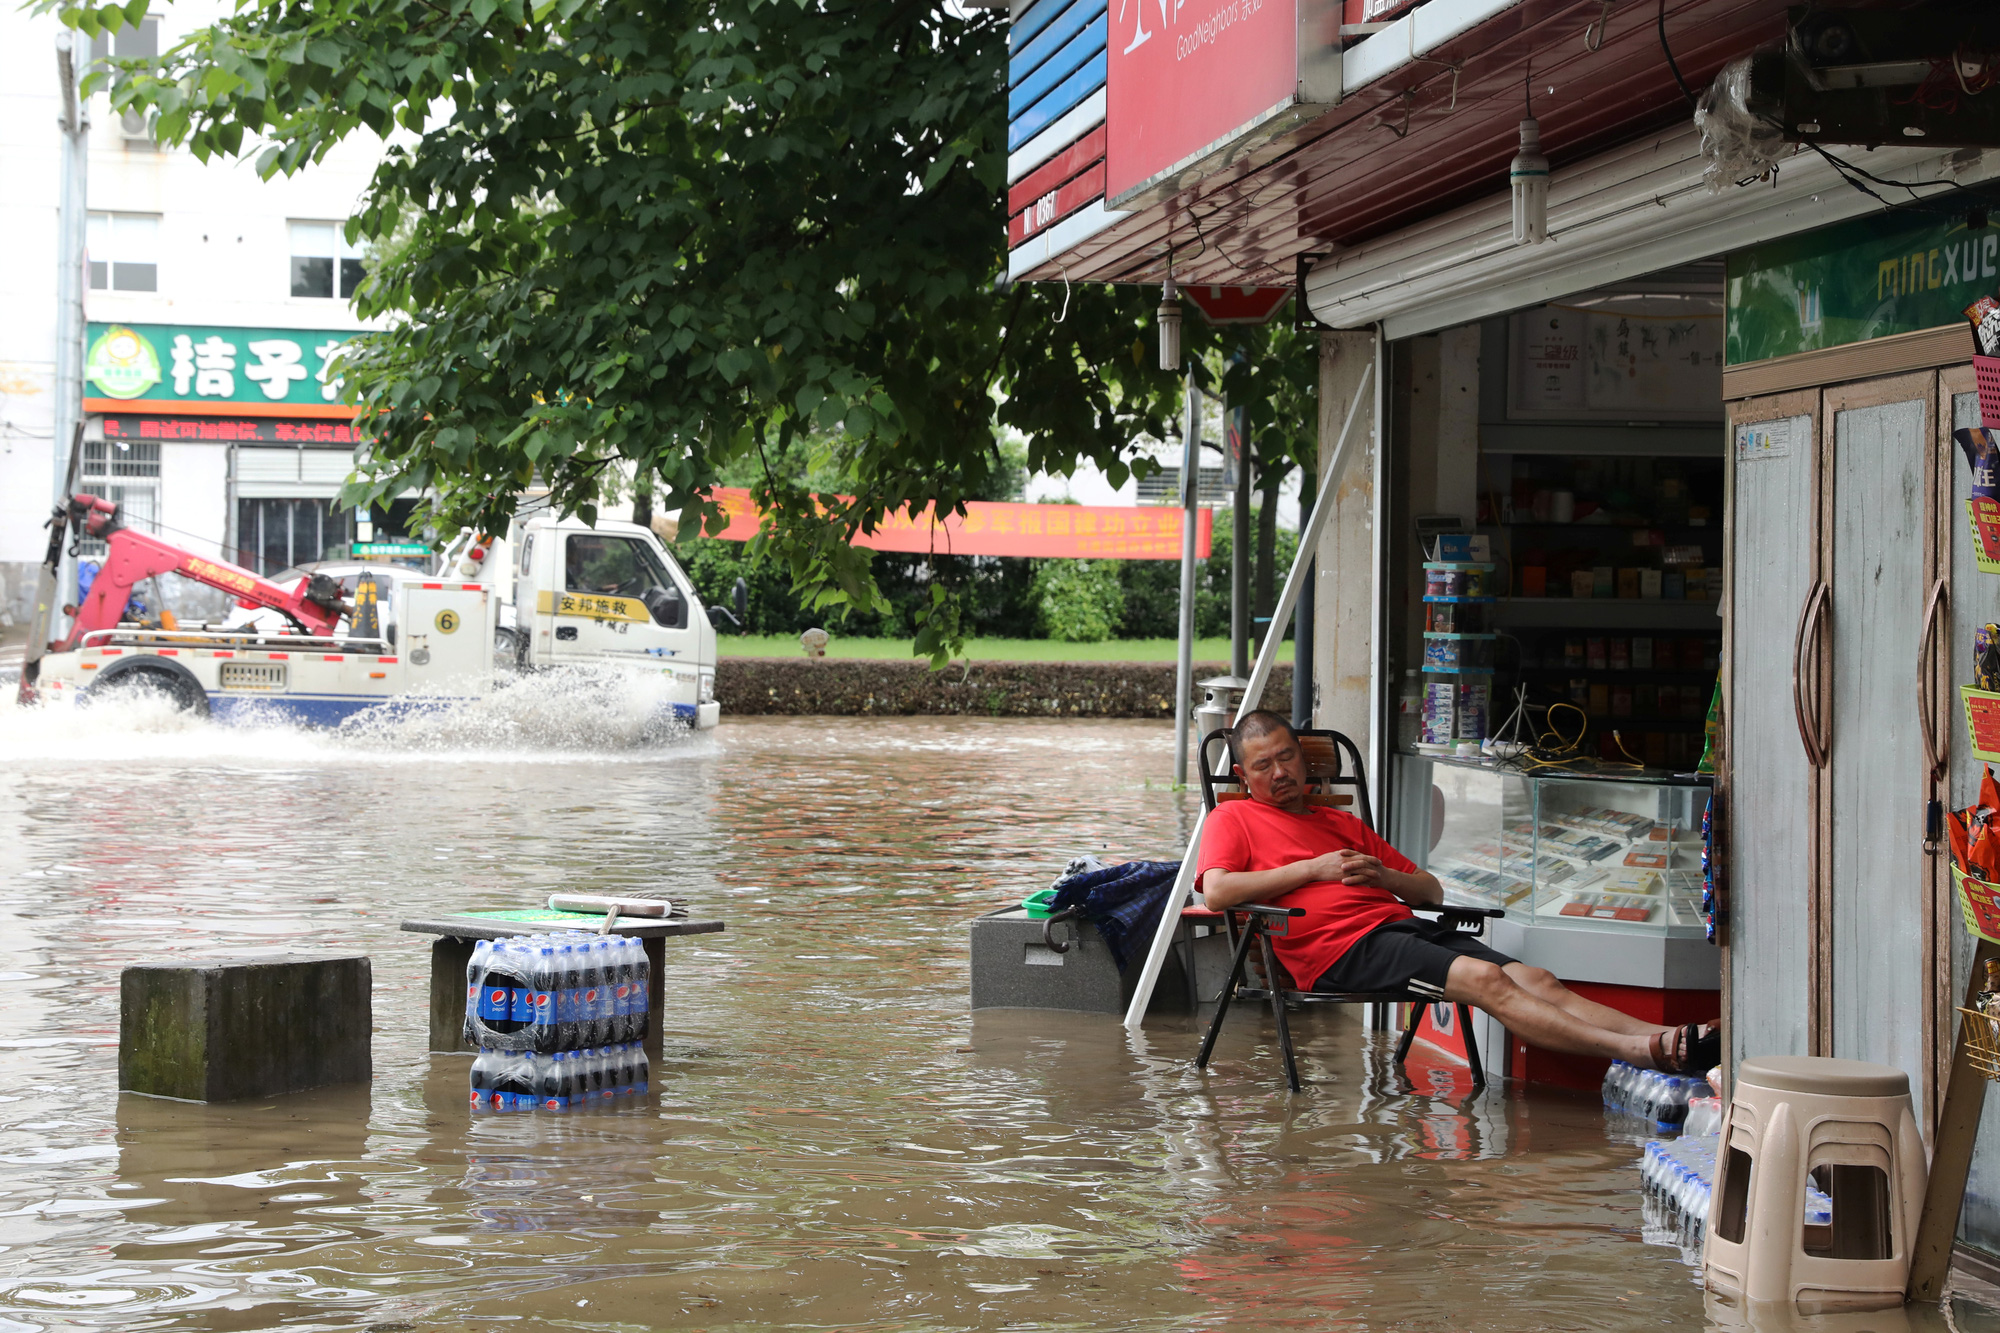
x: 668, y: 237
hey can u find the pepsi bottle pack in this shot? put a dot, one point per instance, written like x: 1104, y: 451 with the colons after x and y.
x: 579, y: 1080
x: 532, y: 998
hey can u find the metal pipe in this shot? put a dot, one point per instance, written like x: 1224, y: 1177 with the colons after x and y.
x: 1163, y: 936
x: 1190, y: 502
x: 1302, y: 618
x: 1237, y: 434
x: 71, y: 226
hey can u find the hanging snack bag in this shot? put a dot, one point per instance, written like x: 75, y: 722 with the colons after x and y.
x: 1986, y: 658
x: 1975, y: 839
x: 1981, y: 447
x: 1984, y: 315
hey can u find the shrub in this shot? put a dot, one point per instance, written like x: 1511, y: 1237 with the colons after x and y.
x: 1080, y: 601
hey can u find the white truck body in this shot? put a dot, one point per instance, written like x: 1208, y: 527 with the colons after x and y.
x: 608, y: 595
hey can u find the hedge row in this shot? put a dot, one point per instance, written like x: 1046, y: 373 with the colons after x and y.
x: 805, y: 687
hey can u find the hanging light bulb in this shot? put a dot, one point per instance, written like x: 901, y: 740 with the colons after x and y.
x: 1170, y: 324
x: 1528, y: 174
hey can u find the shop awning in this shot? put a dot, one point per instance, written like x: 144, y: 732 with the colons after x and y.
x: 1428, y: 123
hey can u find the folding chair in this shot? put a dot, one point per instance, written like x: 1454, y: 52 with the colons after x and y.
x: 1334, y: 777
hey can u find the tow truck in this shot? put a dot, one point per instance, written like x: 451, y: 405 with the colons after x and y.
x: 608, y: 594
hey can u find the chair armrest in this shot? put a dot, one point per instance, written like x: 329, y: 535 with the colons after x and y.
x: 1267, y: 910
x: 1474, y: 917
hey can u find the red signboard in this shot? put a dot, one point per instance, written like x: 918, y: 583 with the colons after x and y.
x: 1188, y: 75
x: 1237, y: 305
x: 1084, y: 532
x: 258, y: 430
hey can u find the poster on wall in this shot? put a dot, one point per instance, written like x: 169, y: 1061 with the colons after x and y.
x: 1636, y: 361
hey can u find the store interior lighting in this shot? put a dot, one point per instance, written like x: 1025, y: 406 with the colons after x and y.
x: 1528, y: 176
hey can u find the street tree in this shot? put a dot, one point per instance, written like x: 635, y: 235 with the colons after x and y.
x: 663, y: 238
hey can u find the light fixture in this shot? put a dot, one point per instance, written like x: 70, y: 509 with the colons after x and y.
x: 1528, y: 175
x: 1170, y: 322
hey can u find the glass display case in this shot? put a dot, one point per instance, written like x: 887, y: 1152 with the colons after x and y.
x: 1574, y: 849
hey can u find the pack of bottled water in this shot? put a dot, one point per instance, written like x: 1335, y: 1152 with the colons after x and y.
x: 1649, y: 1101
x: 542, y: 996
x: 1679, y: 1173
x: 560, y: 1080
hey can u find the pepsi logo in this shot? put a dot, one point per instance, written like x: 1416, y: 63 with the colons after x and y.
x: 499, y: 996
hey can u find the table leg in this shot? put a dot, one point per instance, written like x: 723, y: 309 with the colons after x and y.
x: 448, y: 959
x: 656, y: 1007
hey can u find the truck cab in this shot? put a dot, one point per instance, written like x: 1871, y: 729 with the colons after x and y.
x: 609, y: 594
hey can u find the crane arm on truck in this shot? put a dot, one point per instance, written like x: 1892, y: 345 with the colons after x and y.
x: 314, y: 605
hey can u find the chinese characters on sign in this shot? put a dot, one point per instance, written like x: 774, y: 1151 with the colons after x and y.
x: 257, y: 372
x: 1087, y: 532
x: 230, y: 430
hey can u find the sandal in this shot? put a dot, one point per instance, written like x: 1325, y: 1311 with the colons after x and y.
x: 1704, y: 1049
x: 1698, y: 1052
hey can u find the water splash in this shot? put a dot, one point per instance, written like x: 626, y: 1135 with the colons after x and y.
x: 563, y: 714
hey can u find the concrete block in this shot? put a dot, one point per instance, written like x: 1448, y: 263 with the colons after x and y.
x: 227, y: 1030
x: 1013, y: 968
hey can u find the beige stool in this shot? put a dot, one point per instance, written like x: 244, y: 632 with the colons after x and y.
x: 1848, y: 1126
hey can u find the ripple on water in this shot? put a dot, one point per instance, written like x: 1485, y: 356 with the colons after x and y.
x: 833, y: 1142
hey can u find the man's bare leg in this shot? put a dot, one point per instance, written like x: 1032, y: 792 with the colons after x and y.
x: 1542, y: 984
x: 1538, y: 1022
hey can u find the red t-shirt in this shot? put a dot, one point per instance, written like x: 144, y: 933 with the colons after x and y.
x: 1249, y: 835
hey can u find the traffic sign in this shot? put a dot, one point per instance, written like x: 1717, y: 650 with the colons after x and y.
x: 1237, y: 305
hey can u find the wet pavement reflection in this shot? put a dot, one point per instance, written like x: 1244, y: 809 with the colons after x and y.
x: 833, y: 1140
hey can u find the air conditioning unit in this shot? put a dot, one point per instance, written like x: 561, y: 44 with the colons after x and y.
x: 1923, y: 75
x: 134, y: 128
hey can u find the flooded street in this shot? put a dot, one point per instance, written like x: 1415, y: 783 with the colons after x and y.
x: 833, y: 1142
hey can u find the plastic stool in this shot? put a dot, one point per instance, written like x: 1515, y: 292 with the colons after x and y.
x: 1847, y: 1126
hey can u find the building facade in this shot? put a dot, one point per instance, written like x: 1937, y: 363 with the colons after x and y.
x: 1686, y: 401
x: 216, y: 304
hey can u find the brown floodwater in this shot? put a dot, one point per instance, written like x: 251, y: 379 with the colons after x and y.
x: 833, y: 1141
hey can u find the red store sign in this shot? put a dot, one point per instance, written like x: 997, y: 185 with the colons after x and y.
x: 1189, y: 80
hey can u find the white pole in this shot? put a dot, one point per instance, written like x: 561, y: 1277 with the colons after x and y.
x: 70, y: 239
x: 1190, y: 504
x: 1163, y: 937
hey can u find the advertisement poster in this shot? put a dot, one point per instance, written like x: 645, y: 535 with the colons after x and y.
x: 1642, y: 360
x: 1087, y: 532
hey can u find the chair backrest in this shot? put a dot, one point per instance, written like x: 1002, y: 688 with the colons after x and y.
x: 1334, y: 773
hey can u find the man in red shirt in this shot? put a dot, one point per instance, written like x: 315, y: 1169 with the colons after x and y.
x: 1359, y: 934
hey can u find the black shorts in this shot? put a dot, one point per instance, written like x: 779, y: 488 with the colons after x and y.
x: 1410, y: 955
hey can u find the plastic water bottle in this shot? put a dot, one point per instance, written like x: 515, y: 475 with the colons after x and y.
x: 1670, y: 1106
x: 642, y: 1003
x: 482, y: 1079
x: 590, y: 999
x: 606, y: 1018
x: 552, y: 1082
x: 498, y: 987
x: 475, y: 977
x: 546, y: 981
x: 1609, y: 1089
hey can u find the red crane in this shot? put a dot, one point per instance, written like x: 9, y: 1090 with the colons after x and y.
x: 314, y: 605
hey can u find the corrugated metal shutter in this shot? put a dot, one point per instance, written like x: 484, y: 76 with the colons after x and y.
x: 291, y: 473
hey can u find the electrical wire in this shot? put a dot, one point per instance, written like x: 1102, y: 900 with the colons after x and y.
x: 1673, y: 64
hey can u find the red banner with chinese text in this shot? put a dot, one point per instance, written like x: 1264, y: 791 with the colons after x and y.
x: 1077, y: 532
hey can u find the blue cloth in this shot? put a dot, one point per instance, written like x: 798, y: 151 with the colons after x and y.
x: 1124, y: 902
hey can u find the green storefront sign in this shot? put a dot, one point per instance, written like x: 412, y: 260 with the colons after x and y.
x: 180, y: 367
x: 1892, y: 272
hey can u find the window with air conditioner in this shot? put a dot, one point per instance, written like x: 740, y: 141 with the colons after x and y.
x: 141, y: 42
x: 124, y: 252
x: 323, y: 263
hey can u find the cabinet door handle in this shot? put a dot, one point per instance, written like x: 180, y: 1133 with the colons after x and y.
x: 1807, y: 715
x: 1936, y: 751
